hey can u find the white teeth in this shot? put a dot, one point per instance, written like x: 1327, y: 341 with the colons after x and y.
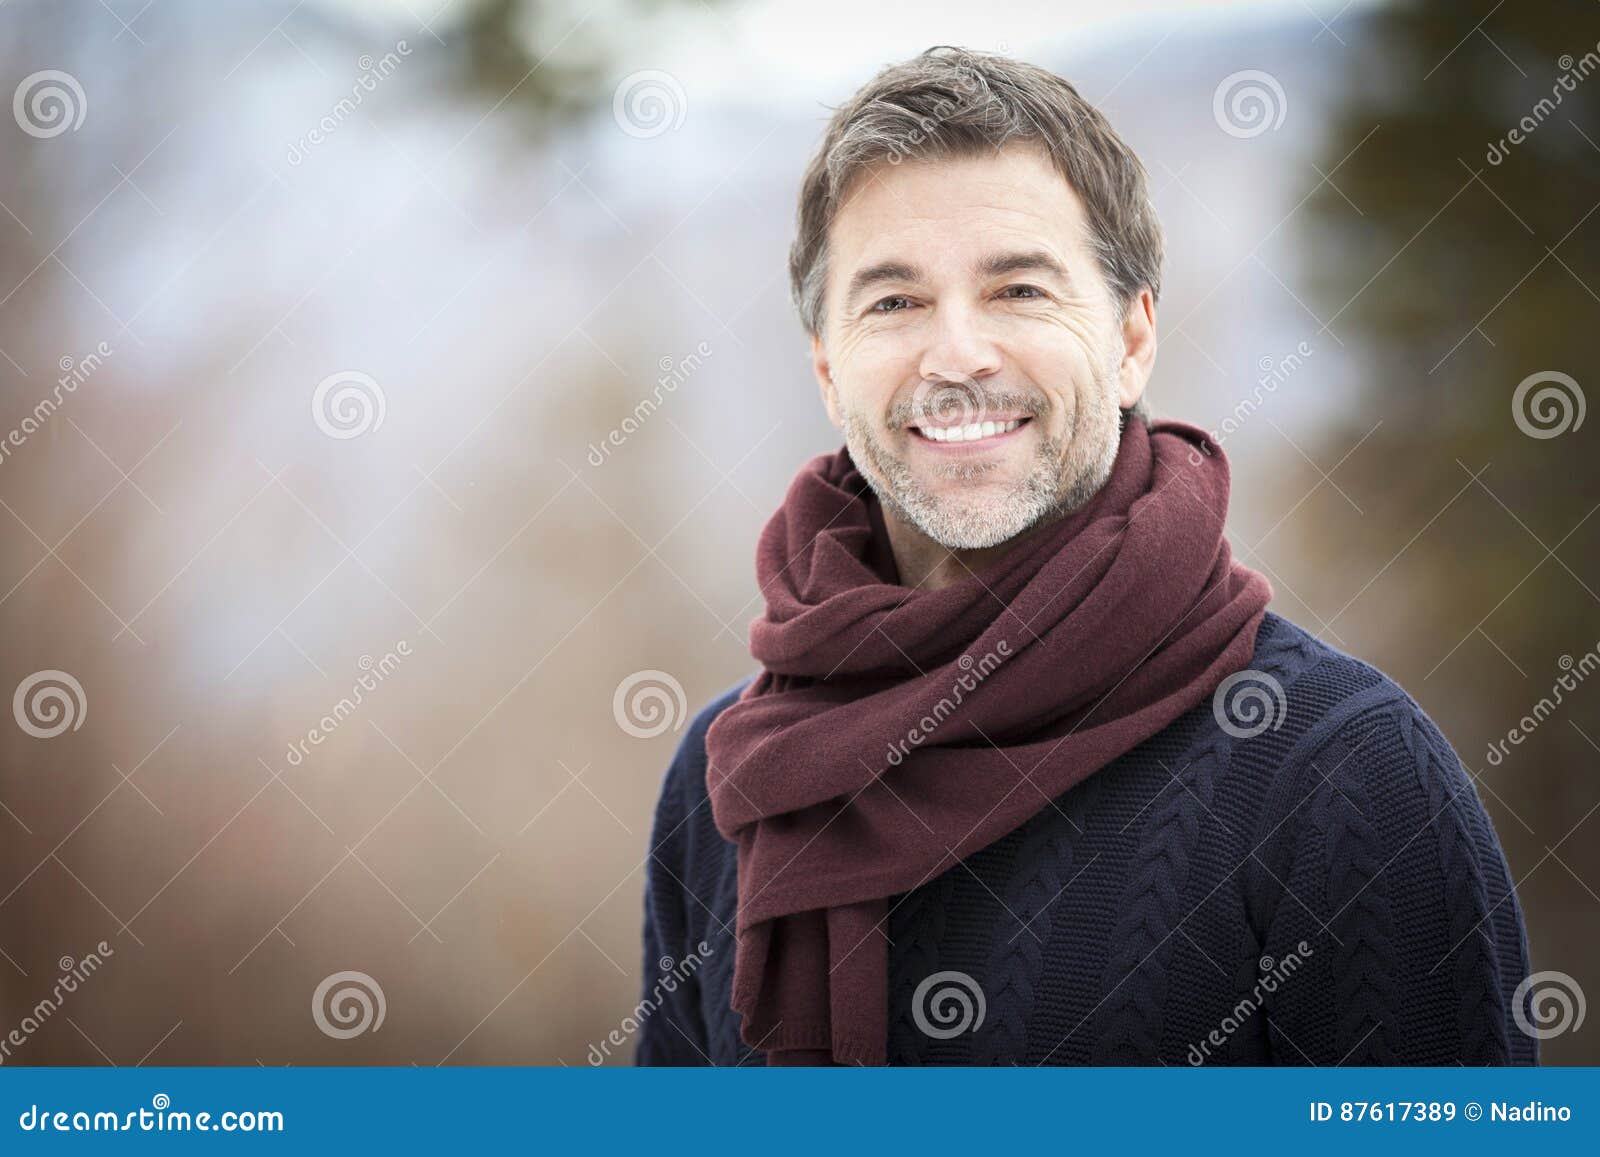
x: 969, y: 433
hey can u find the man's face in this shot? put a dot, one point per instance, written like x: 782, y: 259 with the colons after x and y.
x: 971, y: 351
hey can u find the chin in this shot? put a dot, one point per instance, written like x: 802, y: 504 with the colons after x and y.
x: 978, y: 538
x: 977, y: 521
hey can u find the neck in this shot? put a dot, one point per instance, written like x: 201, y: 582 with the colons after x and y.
x: 926, y: 565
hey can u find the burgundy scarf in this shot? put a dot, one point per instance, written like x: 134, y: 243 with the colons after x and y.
x: 893, y: 732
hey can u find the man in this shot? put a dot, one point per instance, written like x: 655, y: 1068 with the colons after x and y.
x: 1029, y: 774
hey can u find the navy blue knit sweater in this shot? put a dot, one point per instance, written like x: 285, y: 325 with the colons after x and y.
x: 1328, y: 892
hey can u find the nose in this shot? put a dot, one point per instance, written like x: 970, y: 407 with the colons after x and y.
x: 959, y: 347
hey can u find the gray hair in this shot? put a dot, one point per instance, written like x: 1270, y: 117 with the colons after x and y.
x: 955, y: 102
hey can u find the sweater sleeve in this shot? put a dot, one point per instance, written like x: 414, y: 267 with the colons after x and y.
x: 1396, y: 937
x: 672, y: 1031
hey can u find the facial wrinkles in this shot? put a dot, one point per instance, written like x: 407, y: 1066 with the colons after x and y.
x: 1058, y: 350
x: 876, y: 336
x: 1066, y: 471
x: 1077, y: 425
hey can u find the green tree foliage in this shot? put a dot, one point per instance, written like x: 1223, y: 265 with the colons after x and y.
x: 1460, y: 254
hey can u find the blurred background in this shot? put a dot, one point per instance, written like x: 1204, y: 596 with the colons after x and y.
x: 392, y: 391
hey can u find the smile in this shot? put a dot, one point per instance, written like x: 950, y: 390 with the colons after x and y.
x: 972, y: 432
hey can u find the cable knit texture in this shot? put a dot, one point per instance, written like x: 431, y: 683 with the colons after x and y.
x: 1328, y: 891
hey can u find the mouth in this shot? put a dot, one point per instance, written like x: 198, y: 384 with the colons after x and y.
x: 980, y: 434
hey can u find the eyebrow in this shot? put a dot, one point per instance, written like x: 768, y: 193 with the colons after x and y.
x: 1034, y: 260
x: 883, y: 271
x: 995, y: 265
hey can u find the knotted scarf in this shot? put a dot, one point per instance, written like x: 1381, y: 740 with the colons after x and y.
x: 893, y: 731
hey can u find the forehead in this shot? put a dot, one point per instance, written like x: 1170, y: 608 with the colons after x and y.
x: 954, y: 207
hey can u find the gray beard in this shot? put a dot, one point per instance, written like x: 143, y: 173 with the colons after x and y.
x: 1066, y: 473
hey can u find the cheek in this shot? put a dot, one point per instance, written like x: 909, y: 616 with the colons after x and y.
x: 1059, y: 359
x: 1072, y: 338
x: 869, y: 367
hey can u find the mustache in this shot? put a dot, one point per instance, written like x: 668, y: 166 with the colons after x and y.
x: 938, y: 399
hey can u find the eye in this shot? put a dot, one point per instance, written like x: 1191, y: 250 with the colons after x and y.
x: 892, y: 304
x: 1021, y: 292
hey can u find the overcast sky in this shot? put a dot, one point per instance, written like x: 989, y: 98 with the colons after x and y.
x: 794, y: 48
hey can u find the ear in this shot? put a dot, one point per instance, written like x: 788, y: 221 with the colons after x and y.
x: 820, y: 367
x: 1139, y: 348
